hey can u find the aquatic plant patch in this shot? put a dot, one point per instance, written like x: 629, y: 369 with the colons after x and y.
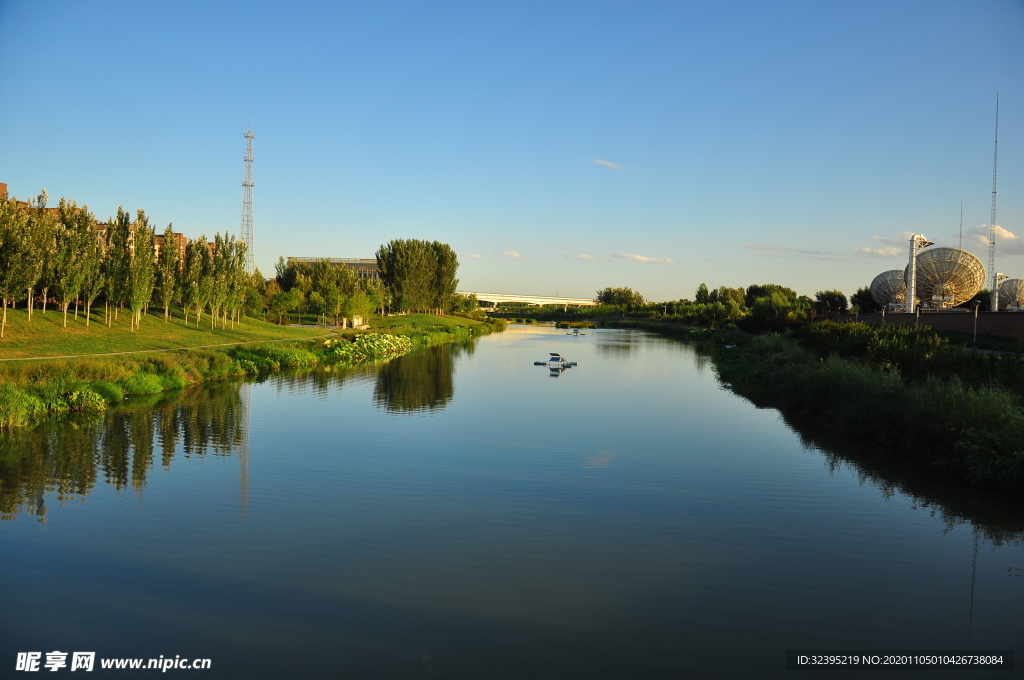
x: 368, y: 347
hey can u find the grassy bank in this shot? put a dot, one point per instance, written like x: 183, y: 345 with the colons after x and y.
x: 34, y: 389
x: 46, y: 335
x: 911, y: 392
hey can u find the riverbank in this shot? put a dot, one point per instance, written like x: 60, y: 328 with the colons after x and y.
x: 34, y: 389
x: 914, y: 395
x: 46, y: 336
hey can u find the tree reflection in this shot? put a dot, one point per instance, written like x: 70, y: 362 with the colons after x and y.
x: 421, y: 381
x: 998, y: 516
x: 619, y: 344
x: 67, y: 456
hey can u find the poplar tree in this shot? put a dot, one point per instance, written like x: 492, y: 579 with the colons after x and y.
x: 220, y: 276
x: 93, y: 281
x: 17, y: 270
x: 39, y: 244
x: 141, y: 278
x: 197, y: 252
x: 68, y: 272
x: 241, y: 282
x: 118, y: 259
x: 446, y: 263
x: 168, y: 272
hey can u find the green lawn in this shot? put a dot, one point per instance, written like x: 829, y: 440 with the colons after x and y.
x: 419, y: 321
x: 45, y: 336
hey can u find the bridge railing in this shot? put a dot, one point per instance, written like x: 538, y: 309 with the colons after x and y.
x: 536, y: 300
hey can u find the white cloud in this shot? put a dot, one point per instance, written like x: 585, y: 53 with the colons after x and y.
x: 974, y: 238
x: 1004, y: 233
x: 472, y: 256
x: 607, y: 164
x: 792, y: 252
x: 510, y: 253
x: 643, y: 258
x: 887, y: 247
x: 901, y: 241
x: 888, y: 251
x: 1007, y: 243
x: 586, y: 258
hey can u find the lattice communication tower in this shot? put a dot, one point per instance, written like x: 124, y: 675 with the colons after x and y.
x: 247, y: 184
x: 992, y: 221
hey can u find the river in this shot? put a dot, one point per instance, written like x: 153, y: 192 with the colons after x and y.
x: 462, y: 513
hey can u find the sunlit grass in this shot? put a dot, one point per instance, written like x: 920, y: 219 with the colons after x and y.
x: 46, y: 336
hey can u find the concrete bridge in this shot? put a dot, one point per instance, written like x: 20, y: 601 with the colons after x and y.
x: 494, y: 299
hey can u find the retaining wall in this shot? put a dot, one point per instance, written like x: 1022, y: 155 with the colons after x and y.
x: 1005, y: 324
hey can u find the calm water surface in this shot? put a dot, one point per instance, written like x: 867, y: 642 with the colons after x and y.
x: 461, y: 513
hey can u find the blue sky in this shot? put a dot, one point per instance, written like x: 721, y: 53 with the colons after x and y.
x: 558, y: 147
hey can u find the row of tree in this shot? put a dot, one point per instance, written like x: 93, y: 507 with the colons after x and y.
x: 65, y: 254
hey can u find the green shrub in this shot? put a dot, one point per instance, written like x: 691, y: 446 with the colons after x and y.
x: 110, y: 392
x: 86, y: 400
x: 143, y: 383
x: 17, y: 406
x: 255, y: 361
x: 174, y: 381
x: 247, y: 366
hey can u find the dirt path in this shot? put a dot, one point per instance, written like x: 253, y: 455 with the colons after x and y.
x: 172, y: 349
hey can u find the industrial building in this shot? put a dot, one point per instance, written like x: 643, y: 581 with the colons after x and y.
x: 362, y: 267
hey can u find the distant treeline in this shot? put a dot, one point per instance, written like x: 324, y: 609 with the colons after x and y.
x: 756, y: 307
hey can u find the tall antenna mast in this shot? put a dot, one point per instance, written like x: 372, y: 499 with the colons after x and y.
x: 247, y: 185
x: 961, y: 246
x: 994, y: 302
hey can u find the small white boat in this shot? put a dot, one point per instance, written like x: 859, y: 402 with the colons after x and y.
x: 555, y: 362
x: 576, y: 332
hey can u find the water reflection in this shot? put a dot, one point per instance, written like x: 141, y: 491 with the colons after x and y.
x: 999, y: 517
x: 67, y: 457
x: 321, y: 380
x: 421, y: 381
x: 620, y: 344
